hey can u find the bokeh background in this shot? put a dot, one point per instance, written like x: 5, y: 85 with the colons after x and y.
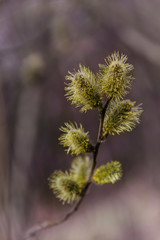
x: 40, y: 40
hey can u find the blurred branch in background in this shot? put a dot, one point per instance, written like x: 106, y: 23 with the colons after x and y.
x: 5, y: 171
x: 141, y: 45
x: 25, y: 138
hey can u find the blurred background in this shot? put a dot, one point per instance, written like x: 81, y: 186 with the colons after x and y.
x: 40, y: 41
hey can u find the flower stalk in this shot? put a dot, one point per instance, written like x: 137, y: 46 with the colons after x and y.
x: 116, y: 115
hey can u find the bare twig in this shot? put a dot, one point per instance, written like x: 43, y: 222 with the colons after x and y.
x: 48, y: 224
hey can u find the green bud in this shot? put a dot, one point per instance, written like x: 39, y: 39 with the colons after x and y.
x: 64, y: 187
x: 121, y: 117
x: 110, y: 173
x: 115, y: 76
x: 80, y: 169
x: 83, y: 90
x: 75, y: 139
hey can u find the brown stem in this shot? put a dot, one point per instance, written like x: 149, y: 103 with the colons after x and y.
x: 48, y: 224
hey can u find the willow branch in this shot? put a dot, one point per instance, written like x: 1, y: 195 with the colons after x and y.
x: 48, y: 224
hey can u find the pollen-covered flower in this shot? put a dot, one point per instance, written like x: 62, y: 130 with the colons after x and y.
x: 64, y: 187
x: 121, y: 117
x: 83, y: 90
x: 110, y: 173
x: 75, y: 139
x: 80, y: 169
x: 115, y: 76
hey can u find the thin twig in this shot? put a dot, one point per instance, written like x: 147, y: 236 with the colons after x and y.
x: 48, y: 224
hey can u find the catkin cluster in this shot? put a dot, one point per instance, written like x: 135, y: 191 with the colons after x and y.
x: 91, y: 91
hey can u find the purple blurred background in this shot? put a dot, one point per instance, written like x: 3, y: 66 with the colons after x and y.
x: 40, y: 41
